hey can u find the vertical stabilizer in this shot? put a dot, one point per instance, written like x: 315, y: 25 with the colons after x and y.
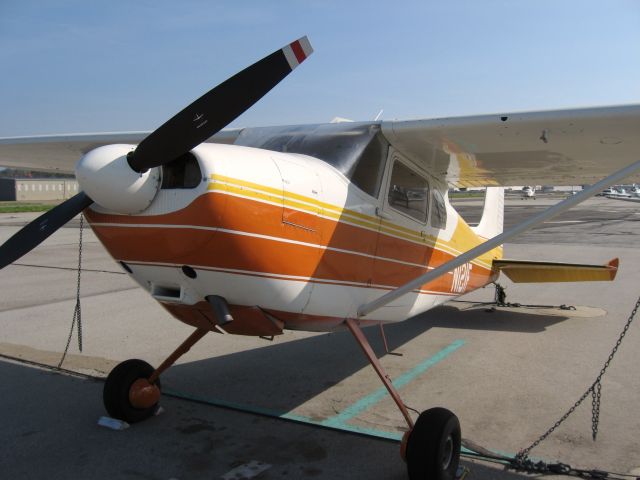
x: 492, y: 219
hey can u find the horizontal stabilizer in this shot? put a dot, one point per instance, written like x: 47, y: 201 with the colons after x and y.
x: 520, y: 271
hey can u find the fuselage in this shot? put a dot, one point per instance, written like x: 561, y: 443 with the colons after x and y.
x: 287, y: 239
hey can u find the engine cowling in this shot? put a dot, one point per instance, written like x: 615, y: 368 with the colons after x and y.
x: 106, y: 177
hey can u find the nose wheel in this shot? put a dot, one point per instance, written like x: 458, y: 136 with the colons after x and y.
x: 128, y: 395
x: 433, y: 446
x: 132, y: 390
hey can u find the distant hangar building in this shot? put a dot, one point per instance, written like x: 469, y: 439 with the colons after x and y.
x: 37, y: 189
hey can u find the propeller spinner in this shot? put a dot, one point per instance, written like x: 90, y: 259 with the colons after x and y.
x: 190, y: 127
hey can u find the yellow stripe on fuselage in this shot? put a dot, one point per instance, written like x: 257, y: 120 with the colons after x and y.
x: 464, y: 235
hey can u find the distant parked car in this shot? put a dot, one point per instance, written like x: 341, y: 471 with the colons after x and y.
x: 528, y: 192
x: 607, y: 191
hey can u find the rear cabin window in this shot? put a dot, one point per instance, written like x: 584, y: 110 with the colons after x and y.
x: 409, y: 192
x: 438, y: 210
x: 183, y: 172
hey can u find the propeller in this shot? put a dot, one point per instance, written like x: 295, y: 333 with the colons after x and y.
x: 41, y: 228
x: 217, y: 108
x: 190, y: 127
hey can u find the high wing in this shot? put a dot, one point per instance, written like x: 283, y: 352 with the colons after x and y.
x: 562, y: 147
x: 60, y: 153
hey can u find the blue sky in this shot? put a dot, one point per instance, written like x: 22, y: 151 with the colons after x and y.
x: 88, y: 66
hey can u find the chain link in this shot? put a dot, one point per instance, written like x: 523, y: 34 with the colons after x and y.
x: 522, y: 458
x: 77, y: 312
x: 596, y: 394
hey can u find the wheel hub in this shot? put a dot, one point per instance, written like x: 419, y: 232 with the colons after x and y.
x: 143, y: 394
x: 447, y: 453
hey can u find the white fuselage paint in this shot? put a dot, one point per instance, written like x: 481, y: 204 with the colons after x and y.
x: 310, y: 182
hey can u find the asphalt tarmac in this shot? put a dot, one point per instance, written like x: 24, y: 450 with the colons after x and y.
x: 291, y: 406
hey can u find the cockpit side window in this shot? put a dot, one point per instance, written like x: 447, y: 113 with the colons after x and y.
x: 183, y: 172
x: 438, y: 210
x: 367, y: 175
x: 408, y: 192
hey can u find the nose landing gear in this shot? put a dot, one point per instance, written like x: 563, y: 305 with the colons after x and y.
x: 132, y: 389
x: 123, y: 396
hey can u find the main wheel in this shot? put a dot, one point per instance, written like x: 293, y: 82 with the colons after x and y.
x: 117, y: 388
x: 433, y: 446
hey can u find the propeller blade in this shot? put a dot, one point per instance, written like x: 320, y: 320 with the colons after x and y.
x: 217, y: 108
x: 42, y: 227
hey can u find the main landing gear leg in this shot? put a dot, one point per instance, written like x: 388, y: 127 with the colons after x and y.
x: 132, y: 389
x: 431, y: 446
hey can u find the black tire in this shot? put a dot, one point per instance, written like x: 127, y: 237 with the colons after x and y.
x: 433, y: 446
x: 115, y: 394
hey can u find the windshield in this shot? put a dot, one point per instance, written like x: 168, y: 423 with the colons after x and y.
x: 357, y: 150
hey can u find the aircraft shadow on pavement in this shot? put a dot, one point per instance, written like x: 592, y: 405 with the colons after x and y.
x: 283, y: 376
x: 525, y: 321
x: 63, y: 432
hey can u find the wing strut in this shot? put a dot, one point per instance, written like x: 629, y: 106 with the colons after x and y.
x: 498, y: 240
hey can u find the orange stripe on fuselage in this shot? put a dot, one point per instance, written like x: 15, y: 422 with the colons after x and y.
x: 174, y: 242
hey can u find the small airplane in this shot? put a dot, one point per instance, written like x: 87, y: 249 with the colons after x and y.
x: 620, y: 193
x: 318, y: 227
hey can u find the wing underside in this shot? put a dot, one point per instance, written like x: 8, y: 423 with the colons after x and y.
x: 60, y: 153
x: 564, y: 147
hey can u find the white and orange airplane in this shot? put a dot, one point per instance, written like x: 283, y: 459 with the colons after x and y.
x: 318, y: 227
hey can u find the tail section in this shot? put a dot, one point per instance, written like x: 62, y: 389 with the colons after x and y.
x: 492, y: 220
